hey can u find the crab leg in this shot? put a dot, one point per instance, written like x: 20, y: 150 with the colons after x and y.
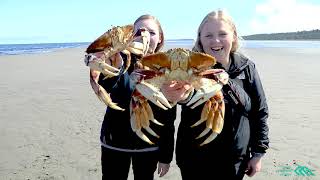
x: 215, y: 124
x: 101, y: 93
x: 204, y: 114
x: 208, y: 124
x: 145, y: 120
x: 149, y: 111
x: 135, y: 114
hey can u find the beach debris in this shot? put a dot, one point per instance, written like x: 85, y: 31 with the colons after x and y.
x: 111, y: 43
x: 178, y: 64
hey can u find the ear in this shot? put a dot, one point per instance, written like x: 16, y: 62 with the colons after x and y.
x: 160, y: 39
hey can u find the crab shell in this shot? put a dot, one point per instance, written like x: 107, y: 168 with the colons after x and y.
x: 108, y: 40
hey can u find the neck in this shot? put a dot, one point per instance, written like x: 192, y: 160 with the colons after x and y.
x: 226, y: 63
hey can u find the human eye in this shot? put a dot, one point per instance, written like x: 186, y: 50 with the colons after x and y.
x: 223, y: 33
x: 152, y: 33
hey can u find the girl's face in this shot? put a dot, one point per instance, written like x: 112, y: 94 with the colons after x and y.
x: 216, y: 37
x: 152, y: 27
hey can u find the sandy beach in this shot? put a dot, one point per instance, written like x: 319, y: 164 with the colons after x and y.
x: 50, y: 118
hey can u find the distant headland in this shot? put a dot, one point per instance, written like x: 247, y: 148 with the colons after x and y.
x: 299, y: 35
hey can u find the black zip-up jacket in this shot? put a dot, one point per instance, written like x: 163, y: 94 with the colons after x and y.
x: 116, y: 129
x: 245, y: 128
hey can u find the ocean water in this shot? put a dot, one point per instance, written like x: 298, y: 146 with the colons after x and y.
x: 15, y: 49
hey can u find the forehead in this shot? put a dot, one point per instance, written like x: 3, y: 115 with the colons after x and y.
x: 213, y: 24
x: 150, y: 24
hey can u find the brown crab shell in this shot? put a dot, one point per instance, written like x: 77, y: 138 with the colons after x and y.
x: 160, y: 60
x: 105, y: 40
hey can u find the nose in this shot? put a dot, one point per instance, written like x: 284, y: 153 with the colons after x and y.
x: 216, y: 39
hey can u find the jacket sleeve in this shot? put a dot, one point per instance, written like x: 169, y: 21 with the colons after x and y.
x: 166, y: 132
x: 259, y: 141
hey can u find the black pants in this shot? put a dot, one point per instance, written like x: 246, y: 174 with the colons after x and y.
x: 209, y: 174
x: 212, y: 170
x: 116, y: 164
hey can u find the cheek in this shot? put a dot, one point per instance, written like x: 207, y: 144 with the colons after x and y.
x: 204, y: 42
x: 154, y: 41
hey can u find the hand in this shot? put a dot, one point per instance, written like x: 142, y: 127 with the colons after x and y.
x: 254, y: 166
x: 219, y: 75
x: 176, y: 91
x: 163, y: 169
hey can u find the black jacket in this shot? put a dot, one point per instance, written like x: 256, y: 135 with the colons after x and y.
x: 116, y: 129
x: 245, y: 128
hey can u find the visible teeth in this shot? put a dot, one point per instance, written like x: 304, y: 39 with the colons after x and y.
x: 216, y: 49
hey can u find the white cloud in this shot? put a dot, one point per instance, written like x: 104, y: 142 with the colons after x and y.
x: 285, y: 16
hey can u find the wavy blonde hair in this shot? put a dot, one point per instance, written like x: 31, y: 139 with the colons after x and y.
x: 148, y: 16
x: 221, y: 15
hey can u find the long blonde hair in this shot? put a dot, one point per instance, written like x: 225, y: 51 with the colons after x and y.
x: 221, y: 15
x: 148, y: 16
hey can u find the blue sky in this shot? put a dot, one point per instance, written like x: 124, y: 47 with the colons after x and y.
x: 39, y: 21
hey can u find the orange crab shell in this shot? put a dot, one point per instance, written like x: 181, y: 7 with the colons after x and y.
x: 105, y: 40
x: 197, y: 60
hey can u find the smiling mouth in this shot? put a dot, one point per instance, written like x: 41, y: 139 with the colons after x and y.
x: 217, y: 49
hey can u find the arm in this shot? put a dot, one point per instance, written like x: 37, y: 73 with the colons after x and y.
x: 259, y: 141
x: 166, y: 133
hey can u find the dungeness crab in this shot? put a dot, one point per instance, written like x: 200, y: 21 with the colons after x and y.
x: 115, y: 40
x: 179, y: 65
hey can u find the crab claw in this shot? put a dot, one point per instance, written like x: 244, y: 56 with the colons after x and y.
x: 106, y: 69
x: 203, y: 94
x: 153, y: 94
x: 140, y: 44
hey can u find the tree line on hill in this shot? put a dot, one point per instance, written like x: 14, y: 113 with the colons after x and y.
x: 299, y: 35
